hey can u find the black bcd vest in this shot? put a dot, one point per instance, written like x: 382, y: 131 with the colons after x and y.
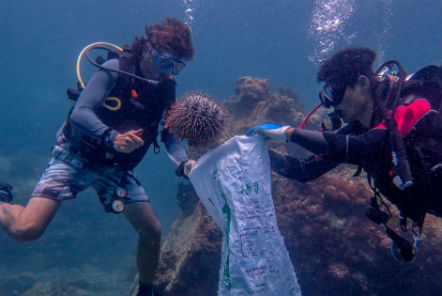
x: 131, y: 105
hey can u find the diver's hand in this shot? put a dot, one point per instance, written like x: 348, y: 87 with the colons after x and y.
x: 188, y: 166
x: 129, y: 141
x: 271, y: 132
x: 184, y: 168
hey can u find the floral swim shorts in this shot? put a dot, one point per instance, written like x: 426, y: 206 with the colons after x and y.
x: 65, y: 177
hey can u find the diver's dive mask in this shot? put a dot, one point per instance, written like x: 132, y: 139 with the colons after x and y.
x: 331, y: 94
x: 168, y: 63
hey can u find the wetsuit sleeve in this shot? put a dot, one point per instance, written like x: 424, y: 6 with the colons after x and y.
x: 348, y: 145
x: 340, y: 147
x: 311, y: 140
x: 358, y: 150
x: 174, y: 147
x: 84, y: 114
x: 301, y: 170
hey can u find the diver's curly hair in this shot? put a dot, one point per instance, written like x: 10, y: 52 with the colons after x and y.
x: 346, y: 65
x: 137, y: 47
x: 197, y: 118
x: 173, y: 35
x: 170, y: 35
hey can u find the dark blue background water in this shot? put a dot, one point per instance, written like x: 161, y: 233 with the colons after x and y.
x: 40, y: 41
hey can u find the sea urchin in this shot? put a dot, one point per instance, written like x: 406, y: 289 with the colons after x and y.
x: 197, y: 118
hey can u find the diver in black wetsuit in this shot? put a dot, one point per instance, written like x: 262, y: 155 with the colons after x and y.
x: 107, y: 133
x: 351, y: 89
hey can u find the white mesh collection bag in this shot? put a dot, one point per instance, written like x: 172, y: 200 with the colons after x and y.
x: 233, y: 182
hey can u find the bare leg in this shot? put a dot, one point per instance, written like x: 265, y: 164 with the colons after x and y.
x: 145, y: 222
x: 27, y: 223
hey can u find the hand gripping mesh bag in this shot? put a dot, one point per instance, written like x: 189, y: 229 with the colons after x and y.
x: 233, y: 182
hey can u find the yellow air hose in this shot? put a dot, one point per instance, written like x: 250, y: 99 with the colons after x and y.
x: 83, y: 51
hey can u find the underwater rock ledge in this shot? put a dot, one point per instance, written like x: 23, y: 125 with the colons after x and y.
x: 334, y: 248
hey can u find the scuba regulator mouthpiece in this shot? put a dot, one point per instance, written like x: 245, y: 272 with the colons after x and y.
x: 332, y: 121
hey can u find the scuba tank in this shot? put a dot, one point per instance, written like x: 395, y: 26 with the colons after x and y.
x: 392, y: 71
x: 401, y: 90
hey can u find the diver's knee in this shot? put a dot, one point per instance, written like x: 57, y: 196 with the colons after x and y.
x: 151, y: 231
x: 29, y: 233
x: 156, y: 230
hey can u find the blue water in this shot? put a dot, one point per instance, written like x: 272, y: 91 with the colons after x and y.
x: 40, y: 41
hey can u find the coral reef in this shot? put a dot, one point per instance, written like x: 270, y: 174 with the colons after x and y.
x: 256, y: 105
x: 333, y: 246
x: 251, y: 89
x: 191, y: 255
